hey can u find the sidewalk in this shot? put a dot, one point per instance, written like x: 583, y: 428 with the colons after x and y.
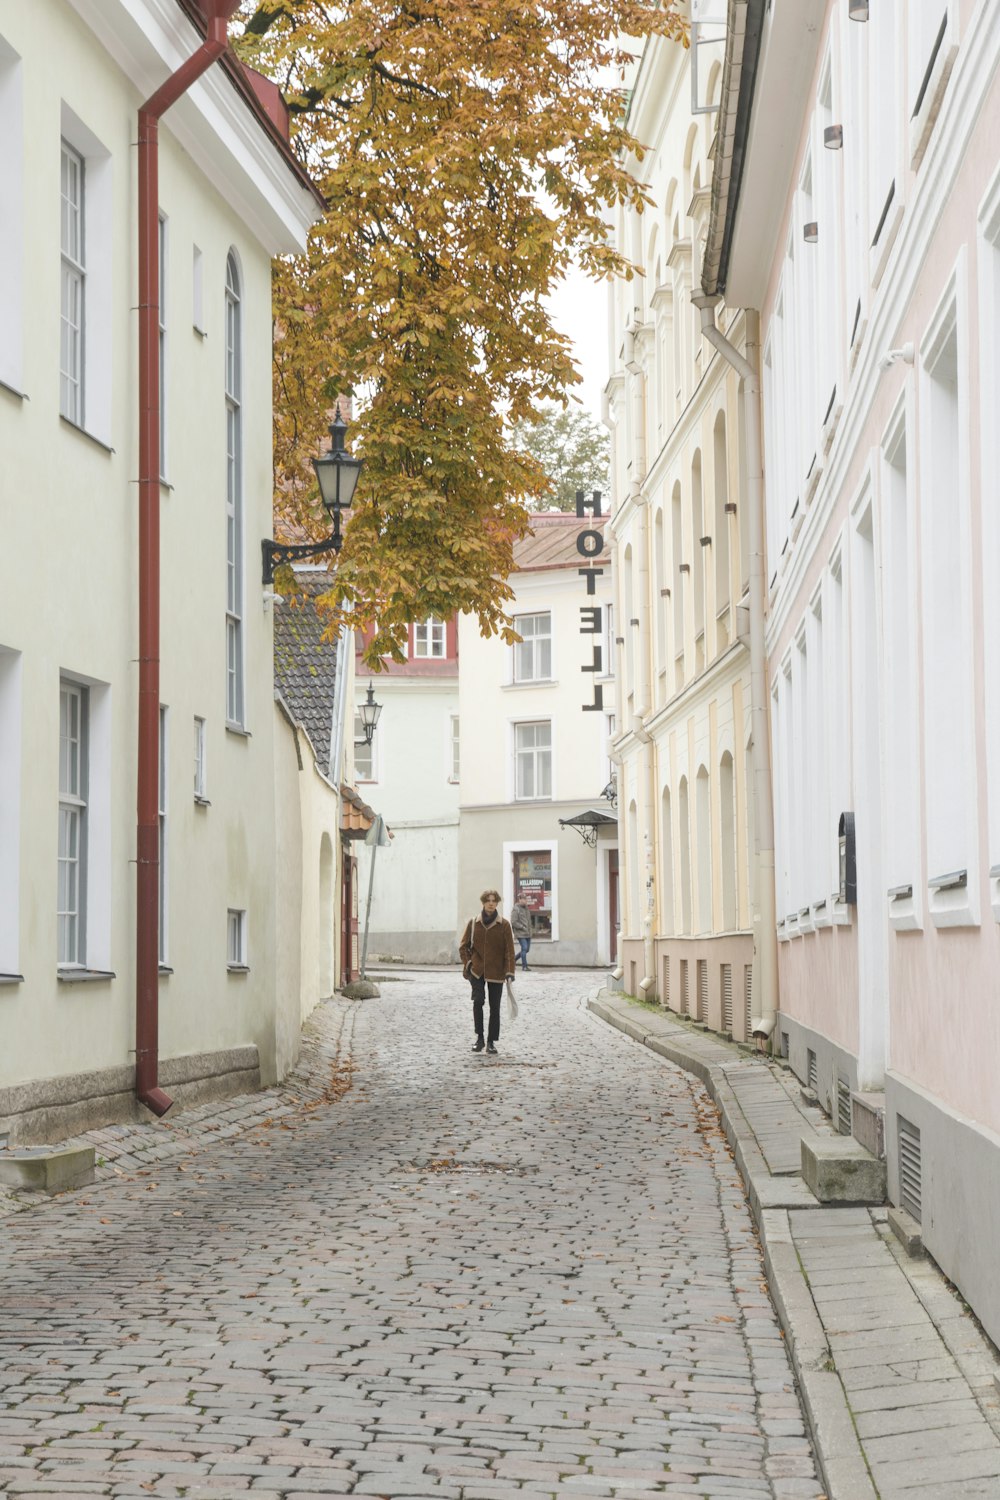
x: 898, y: 1382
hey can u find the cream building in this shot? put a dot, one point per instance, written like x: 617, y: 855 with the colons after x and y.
x: 857, y: 212
x: 681, y: 504
x: 72, y: 77
x: 535, y: 724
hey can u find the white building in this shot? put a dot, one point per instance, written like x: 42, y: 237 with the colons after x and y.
x: 72, y: 77
x: 681, y: 527
x: 535, y: 725
x: 857, y: 212
x: 411, y: 769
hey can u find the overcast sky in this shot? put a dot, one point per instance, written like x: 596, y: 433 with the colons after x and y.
x: 580, y: 309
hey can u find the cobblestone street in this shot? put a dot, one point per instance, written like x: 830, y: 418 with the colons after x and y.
x: 412, y: 1271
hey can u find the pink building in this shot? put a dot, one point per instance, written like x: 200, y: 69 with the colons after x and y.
x: 856, y: 208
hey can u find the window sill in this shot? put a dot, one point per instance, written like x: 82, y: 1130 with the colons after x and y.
x: 238, y: 730
x: 11, y: 978
x: 165, y: 970
x: 201, y: 801
x: 238, y: 968
x: 528, y: 801
x: 532, y: 682
x: 84, y: 976
x: 90, y: 436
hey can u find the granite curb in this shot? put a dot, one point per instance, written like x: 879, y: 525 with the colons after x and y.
x: 839, y: 1453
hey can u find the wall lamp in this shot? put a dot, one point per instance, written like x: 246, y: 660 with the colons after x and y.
x: 857, y: 10
x: 833, y: 137
x: 369, y: 712
x: 337, y: 473
x: 810, y: 233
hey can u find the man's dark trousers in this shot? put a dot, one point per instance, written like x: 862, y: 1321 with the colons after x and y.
x: 479, y: 987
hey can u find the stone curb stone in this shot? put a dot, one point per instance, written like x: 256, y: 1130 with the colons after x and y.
x: 48, y: 1171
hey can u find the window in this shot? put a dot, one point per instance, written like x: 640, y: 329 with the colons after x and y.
x: 234, y: 497
x: 236, y: 939
x: 197, y: 290
x: 200, y: 769
x: 11, y: 218
x: 11, y: 736
x: 455, y: 749
x: 533, y: 655
x: 533, y: 761
x: 74, y: 286
x: 429, y: 639
x: 533, y: 878
x: 162, y: 819
x: 364, y: 753
x: 162, y: 338
x: 72, y: 882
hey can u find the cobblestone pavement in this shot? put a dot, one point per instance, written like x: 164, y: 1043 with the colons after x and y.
x: 411, y: 1272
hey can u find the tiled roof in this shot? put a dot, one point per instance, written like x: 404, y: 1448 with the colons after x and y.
x: 551, y: 543
x: 305, y: 666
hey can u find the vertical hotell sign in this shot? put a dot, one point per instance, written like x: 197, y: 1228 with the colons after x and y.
x: 590, y: 545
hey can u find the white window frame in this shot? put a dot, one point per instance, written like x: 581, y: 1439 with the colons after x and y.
x: 235, y: 579
x: 11, y: 724
x: 949, y: 738
x: 430, y: 640
x: 236, y: 940
x: 200, y: 760
x: 96, y: 263
x: 198, y: 290
x: 930, y: 62
x: 73, y: 284
x: 12, y: 160
x: 71, y: 904
x: 989, y: 385
x: 528, y: 651
x: 536, y: 754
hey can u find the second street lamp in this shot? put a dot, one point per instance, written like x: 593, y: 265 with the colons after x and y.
x: 369, y: 712
x: 337, y: 473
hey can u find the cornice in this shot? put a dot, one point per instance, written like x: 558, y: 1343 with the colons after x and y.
x: 971, y: 77
x: 679, y: 256
x: 149, y: 40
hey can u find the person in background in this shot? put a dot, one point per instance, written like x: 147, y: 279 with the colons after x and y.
x: 487, y: 953
x: 520, y: 923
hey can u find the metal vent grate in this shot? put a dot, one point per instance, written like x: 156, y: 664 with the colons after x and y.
x: 666, y: 980
x: 685, y: 995
x: 910, y: 1168
x: 702, y: 989
x: 784, y: 1045
x: 727, y: 998
x: 747, y: 999
x: 843, y: 1105
x: 812, y: 1072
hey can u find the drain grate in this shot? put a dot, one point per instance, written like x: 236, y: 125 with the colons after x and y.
x: 910, y: 1167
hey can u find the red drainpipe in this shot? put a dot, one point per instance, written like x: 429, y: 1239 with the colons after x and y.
x: 217, y: 14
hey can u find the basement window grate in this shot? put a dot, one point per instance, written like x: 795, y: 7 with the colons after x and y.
x: 685, y: 995
x: 747, y: 999
x: 702, y: 989
x: 910, y: 1167
x: 843, y: 1105
x: 727, y: 998
x: 666, y: 980
x: 812, y: 1072
x: 784, y: 1045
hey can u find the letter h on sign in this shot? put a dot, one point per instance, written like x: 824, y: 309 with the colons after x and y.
x: 590, y: 544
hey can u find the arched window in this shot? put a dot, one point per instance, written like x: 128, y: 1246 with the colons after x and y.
x: 677, y: 541
x: 704, y: 814
x: 684, y: 830
x: 727, y: 841
x: 235, y: 687
x: 634, y: 913
x: 720, y: 537
x: 659, y: 603
x: 698, y: 560
x: 667, y: 864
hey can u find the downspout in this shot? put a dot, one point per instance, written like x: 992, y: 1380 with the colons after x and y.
x: 148, y: 1092
x: 643, y: 706
x: 765, y: 932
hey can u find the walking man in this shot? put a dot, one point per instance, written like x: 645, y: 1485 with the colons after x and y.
x: 487, y: 953
x: 520, y: 922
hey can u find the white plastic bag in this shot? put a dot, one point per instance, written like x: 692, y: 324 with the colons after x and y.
x: 511, y: 1003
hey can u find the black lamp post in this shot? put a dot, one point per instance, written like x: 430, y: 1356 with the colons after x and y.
x: 337, y: 473
x: 369, y: 712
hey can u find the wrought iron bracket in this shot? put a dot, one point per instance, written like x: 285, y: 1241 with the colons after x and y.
x: 276, y: 554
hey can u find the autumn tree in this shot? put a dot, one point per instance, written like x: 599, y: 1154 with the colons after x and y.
x: 572, y: 450
x: 469, y: 151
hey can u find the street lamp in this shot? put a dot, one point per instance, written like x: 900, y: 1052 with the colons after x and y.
x: 337, y: 473
x: 369, y: 712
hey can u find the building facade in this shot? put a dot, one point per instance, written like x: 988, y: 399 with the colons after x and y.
x: 858, y: 211
x: 535, y: 723
x: 72, y: 78
x: 680, y: 523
